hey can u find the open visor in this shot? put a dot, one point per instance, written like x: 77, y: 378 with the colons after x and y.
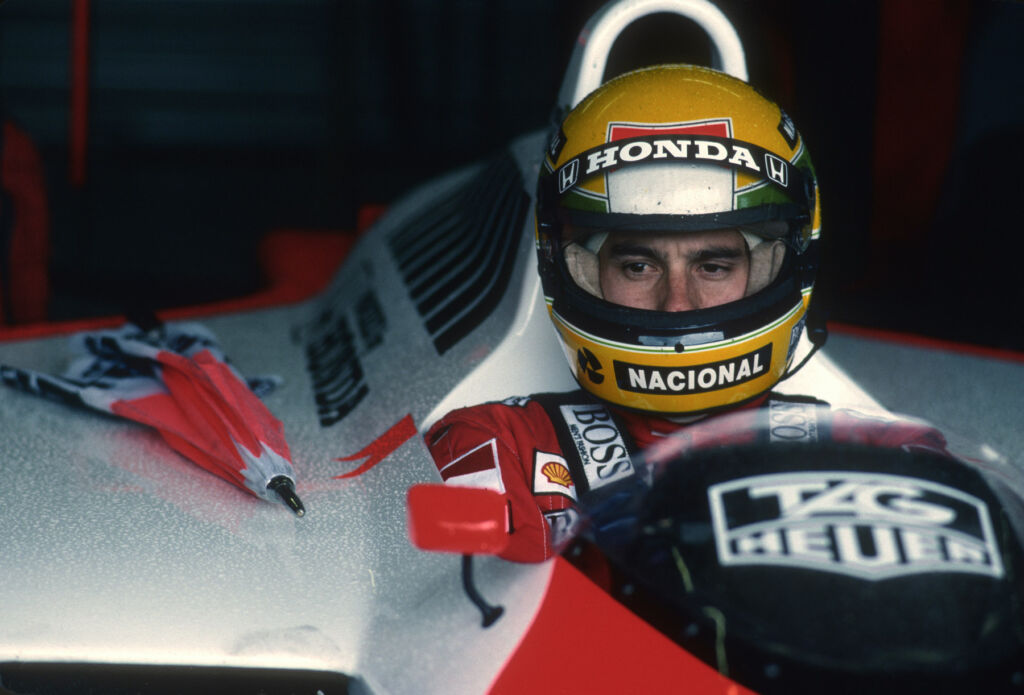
x: 590, y: 240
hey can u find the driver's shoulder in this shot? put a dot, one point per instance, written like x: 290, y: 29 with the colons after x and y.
x: 518, y: 416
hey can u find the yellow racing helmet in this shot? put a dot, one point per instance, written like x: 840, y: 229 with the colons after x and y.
x: 678, y: 150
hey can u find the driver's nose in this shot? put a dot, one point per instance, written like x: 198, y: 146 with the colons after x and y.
x: 676, y: 293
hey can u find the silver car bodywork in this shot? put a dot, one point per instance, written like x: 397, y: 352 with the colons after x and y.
x: 115, y: 550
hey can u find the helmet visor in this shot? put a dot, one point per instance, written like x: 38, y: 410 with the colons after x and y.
x: 668, y: 270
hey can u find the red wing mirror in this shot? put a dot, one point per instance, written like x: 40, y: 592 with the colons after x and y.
x: 453, y: 519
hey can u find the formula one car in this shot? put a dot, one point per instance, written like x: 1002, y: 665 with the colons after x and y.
x: 125, y: 568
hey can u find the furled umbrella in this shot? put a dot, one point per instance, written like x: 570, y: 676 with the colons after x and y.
x: 176, y: 379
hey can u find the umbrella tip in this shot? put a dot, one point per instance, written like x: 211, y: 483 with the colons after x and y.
x: 285, y: 489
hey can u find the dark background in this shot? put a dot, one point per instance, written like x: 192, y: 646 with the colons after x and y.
x: 213, y: 122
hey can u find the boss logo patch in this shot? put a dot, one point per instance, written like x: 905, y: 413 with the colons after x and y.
x: 601, y: 448
x: 792, y: 422
x: 865, y: 525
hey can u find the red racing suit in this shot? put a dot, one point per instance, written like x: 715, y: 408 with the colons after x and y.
x: 545, y: 450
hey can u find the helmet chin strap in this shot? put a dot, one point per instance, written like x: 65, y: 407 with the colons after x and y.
x: 817, y: 333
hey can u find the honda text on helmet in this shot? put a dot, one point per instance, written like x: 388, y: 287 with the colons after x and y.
x: 677, y: 226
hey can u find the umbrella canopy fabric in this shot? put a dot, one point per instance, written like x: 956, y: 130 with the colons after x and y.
x: 176, y: 379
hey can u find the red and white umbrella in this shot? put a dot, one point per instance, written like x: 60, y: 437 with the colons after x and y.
x: 176, y: 379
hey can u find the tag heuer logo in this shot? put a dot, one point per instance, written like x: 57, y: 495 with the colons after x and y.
x: 865, y: 525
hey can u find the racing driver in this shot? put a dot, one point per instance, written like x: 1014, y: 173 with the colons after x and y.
x: 678, y: 221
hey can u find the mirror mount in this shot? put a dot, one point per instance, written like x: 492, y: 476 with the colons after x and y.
x: 489, y: 612
x: 464, y: 520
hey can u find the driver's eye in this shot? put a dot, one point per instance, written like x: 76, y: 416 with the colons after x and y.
x: 636, y: 267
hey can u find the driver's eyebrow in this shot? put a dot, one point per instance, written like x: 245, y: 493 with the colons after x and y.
x: 626, y: 248
x: 712, y: 253
x: 707, y: 253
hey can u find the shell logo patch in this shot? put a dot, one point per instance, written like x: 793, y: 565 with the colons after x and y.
x: 551, y: 475
x: 556, y: 473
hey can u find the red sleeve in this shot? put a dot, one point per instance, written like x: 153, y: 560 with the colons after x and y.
x: 495, y: 445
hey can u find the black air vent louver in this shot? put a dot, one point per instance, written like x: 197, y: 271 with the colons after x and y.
x: 456, y: 258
